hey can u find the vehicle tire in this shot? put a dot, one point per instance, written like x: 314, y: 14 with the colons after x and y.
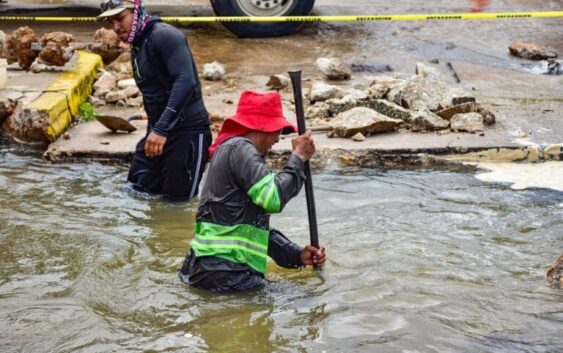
x: 262, y: 8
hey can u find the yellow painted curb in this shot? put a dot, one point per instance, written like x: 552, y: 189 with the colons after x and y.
x: 59, y: 102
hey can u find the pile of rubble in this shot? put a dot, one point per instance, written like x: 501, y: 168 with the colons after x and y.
x: 422, y: 102
x: 55, y: 48
x: 115, y: 85
x: 24, y: 47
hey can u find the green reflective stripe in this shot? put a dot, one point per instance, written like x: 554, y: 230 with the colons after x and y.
x: 258, y: 250
x: 265, y: 194
x: 241, y: 243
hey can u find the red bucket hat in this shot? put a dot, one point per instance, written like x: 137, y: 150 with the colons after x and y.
x: 256, y: 112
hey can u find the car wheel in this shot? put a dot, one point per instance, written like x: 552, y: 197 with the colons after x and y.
x: 262, y: 8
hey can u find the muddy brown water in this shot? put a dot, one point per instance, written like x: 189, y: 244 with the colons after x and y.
x: 419, y: 261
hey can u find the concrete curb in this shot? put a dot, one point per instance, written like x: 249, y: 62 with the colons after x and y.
x: 52, y: 112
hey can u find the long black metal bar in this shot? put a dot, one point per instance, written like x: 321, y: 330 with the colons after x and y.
x: 299, y: 111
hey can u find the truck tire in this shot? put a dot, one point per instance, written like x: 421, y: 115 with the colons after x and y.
x: 262, y: 8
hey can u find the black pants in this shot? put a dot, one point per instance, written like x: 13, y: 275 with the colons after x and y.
x: 177, y: 172
x: 218, y: 275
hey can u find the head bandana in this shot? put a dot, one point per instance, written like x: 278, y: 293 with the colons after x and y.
x: 140, y: 19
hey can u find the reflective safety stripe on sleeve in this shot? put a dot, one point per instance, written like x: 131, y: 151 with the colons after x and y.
x: 265, y: 194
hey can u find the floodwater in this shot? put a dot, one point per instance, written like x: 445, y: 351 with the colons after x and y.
x: 419, y: 261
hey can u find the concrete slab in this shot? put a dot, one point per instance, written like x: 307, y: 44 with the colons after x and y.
x: 92, y: 141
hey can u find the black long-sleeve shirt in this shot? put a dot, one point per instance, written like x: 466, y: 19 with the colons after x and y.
x: 166, y: 75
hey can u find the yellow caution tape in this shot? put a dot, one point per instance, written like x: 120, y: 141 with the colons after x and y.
x: 362, y: 18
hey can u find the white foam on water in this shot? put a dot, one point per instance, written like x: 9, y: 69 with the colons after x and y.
x: 547, y: 175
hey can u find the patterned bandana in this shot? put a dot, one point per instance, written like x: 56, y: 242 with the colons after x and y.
x: 140, y: 20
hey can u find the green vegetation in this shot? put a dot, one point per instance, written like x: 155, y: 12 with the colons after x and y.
x: 86, y: 111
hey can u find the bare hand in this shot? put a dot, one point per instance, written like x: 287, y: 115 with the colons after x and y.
x: 154, y: 145
x: 313, y: 256
x: 304, y: 146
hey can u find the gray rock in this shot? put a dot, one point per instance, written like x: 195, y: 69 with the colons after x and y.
x: 363, y: 120
x: 321, y: 91
x: 214, y: 71
x: 334, y: 68
x: 428, y: 121
x: 470, y: 122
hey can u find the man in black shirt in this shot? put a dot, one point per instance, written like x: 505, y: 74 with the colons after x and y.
x: 171, y: 158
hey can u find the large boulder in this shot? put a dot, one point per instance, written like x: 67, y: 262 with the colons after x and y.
x: 362, y: 120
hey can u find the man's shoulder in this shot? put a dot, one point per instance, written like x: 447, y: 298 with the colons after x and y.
x: 162, y: 29
x: 239, y: 142
x: 236, y: 147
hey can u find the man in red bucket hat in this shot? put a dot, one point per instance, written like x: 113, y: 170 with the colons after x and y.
x: 232, y: 234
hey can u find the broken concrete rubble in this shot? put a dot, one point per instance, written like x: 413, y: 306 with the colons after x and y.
x: 362, y: 120
x: 470, y: 122
x: 427, y: 121
x: 321, y: 91
x: 438, y: 101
